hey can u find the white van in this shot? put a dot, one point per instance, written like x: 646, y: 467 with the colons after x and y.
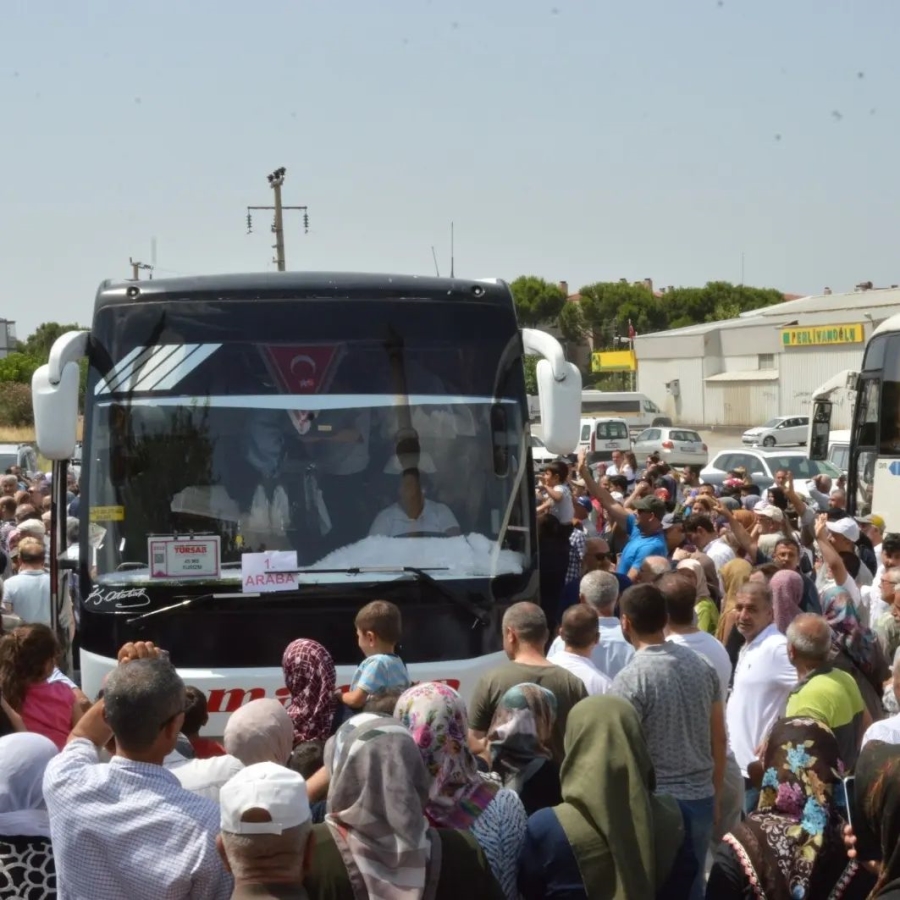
x: 601, y: 436
x: 637, y: 409
x: 839, y: 449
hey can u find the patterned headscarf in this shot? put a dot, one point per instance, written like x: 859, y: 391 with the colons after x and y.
x: 309, y: 675
x: 520, y: 735
x: 436, y: 717
x: 376, y: 810
x: 791, y: 845
x: 787, y: 593
x: 847, y: 632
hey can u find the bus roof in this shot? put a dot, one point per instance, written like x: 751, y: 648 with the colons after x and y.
x: 324, y: 285
x: 888, y: 325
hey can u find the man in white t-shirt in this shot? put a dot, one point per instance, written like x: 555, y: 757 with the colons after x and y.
x: 618, y: 466
x: 414, y: 514
x: 887, y: 730
x: 836, y: 541
x: 763, y: 677
x: 680, y: 595
x: 703, y: 535
x: 579, y: 635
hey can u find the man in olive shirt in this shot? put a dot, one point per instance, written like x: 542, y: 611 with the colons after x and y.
x: 525, y: 635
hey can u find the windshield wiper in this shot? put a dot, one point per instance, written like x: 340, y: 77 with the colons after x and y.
x: 187, y: 602
x: 482, y: 617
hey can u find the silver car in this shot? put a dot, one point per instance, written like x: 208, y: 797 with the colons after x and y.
x: 783, y: 430
x: 677, y: 446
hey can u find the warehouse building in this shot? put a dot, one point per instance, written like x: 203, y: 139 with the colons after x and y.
x: 742, y: 372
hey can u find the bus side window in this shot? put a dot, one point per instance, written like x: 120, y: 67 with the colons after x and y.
x: 890, y: 417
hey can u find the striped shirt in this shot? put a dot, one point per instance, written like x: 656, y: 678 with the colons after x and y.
x: 129, y: 830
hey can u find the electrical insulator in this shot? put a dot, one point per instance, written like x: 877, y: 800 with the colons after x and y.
x: 306, y: 223
x: 249, y: 224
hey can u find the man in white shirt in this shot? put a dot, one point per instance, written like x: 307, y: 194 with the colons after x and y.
x: 680, y: 595
x: 888, y: 558
x: 620, y: 467
x: 887, y: 730
x: 703, y: 535
x: 580, y: 635
x: 600, y: 591
x: 414, y: 514
x: 763, y: 677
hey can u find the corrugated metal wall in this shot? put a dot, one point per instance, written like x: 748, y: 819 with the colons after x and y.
x: 741, y: 403
x: 802, y: 371
x: 687, y: 408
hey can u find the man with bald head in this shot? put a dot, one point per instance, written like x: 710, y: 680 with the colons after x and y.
x: 525, y: 635
x: 652, y: 567
x: 824, y: 693
x: 763, y: 677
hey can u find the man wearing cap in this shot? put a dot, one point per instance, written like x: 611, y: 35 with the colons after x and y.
x: 266, y: 838
x: 836, y: 540
x: 770, y: 526
x: 644, y: 528
x: 673, y: 530
x: 873, y: 528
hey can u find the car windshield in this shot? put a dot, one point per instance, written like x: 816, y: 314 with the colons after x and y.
x: 772, y: 423
x: 536, y: 442
x: 802, y: 467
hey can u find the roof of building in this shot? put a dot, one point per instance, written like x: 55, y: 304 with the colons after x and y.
x: 747, y: 375
x: 875, y: 299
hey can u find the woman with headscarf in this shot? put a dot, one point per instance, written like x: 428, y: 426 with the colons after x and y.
x: 261, y: 731
x: 26, y: 856
x: 459, y: 795
x: 519, y: 741
x: 376, y: 841
x: 309, y: 675
x: 791, y: 845
x: 787, y: 593
x: 611, y: 838
x: 734, y: 575
x: 855, y: 649
x: 704, y: 608
x: 876, y: 813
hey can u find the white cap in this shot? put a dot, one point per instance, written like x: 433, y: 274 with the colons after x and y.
x: 769, y: 512
x: 281, y: 792
x: 846, y: 527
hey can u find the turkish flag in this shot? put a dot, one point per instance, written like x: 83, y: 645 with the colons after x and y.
x: 302, y: 368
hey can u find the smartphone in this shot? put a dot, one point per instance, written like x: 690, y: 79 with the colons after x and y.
x: 868, y: 847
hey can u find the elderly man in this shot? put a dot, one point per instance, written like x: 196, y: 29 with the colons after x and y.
x: 9, y: 484
x: 763, y: 677
x: 524, y: 638
x: 27, y: 594
x: 600, y: 591
x: 888, y: 558
x: 887, y: 627
x: 128, y: 829
x: 265, y: 840
x: 826, y: 694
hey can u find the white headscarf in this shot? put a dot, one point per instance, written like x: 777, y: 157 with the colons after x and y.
x: 23, y: 759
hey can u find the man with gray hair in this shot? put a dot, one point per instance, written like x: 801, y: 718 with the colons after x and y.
x: 600, y: 591
x: 266, y: 828
x: 128, y: 829
x: 824, y: 693
x: 763, y: 678
x: 524, y: 638
x: 887, y: 730
x: 652, y: 567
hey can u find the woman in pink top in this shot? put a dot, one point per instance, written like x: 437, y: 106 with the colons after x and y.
x: 27, y: 660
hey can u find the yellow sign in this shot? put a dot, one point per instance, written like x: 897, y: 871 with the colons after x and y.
x: 107, y: 513
x: 613, y: 361
x: 822, y: 335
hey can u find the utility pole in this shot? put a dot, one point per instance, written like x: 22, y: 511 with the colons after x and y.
x: 276, y: 181
x: 136, y: 268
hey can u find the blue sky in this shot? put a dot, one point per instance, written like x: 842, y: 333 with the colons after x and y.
x: 583, y: 140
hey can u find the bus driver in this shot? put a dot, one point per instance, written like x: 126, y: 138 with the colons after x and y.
x: 414, y: 515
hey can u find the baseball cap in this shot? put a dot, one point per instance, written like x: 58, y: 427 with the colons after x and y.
x: 585, y: 502
x: 670, y: 520
x: 651, y: 504
x: 874, y: 519
x: 769, y: 512
x: 846, y: 527
x: 279, y: 791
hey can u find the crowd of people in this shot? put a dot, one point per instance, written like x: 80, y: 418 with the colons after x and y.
x: 703, y: 704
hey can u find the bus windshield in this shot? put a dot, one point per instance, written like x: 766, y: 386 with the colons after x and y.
x: 395, y: 441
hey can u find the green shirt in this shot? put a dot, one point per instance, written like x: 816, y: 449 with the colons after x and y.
x: 831, y: 696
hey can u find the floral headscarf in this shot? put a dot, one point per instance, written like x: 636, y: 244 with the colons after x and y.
x: 520, y: 735
x: 791, y: 846
x: 436, y: 717
x: 310, y: 676
x: 847, y: 632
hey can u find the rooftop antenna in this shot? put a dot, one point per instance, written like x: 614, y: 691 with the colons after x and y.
x: 437, y: 271
x: 152, y: 256
x: 452, y: 261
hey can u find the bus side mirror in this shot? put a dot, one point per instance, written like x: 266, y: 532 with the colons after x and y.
x: 56, y: 411
x: 560, y: 407
x: 819, y: 429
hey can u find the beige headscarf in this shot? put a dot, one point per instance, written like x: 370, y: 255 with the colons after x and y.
x: 261, y: 731
x: 693, y: 566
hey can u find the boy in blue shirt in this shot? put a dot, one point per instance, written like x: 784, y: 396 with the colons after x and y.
x: 378, y: 629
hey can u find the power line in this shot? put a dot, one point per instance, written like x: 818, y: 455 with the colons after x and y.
x: 276, y: 181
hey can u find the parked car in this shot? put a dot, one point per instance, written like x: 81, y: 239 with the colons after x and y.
x: 539, y: 452
x: 781, y: 430
x: 761, y: 466
x: 677, y: 446
x: 601, y: 436
x: 839, y: 449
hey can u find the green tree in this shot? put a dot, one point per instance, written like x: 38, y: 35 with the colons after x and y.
x: 18, y: 368
x: 529, y: 363
x: 537, y: 301
x: 608, y: 306
x: 15, y: 405
x: 41, y: 340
